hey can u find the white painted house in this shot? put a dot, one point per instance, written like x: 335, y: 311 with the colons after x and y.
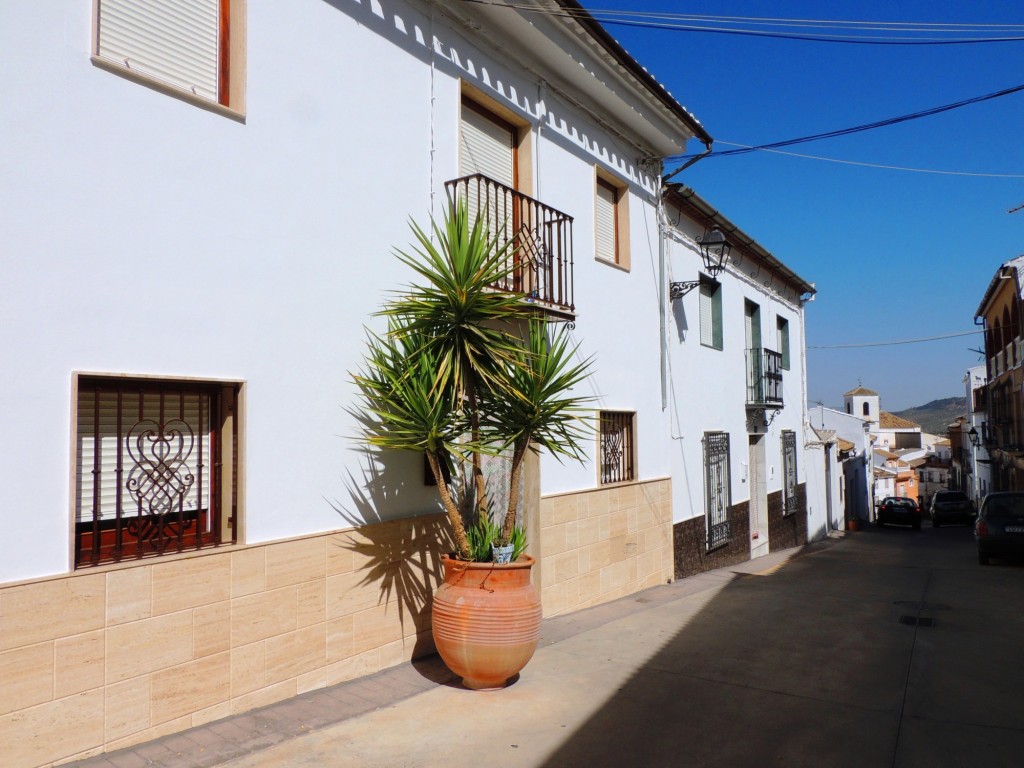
x: 194, y: 237
x: 735, y: 384
x: 857, y: 460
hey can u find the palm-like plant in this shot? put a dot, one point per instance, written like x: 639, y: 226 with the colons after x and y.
x: 454, y: 378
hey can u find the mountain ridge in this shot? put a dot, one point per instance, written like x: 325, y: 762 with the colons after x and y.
x: 936, y: 415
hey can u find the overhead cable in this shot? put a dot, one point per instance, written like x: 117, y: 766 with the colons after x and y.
x: 733, y: 25
x: 893, y: 343
x: 861, y: 128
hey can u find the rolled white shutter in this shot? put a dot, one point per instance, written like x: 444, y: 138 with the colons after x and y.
x: 604, y: 231
x: 486, y: 147
x: 176, y: 42
x: 171, y: 479
x: 707, y: 333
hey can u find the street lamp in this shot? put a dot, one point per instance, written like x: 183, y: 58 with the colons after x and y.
x: 975, y: 437
x: 714, y: 250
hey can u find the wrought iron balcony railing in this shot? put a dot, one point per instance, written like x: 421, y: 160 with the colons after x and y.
x: 541, y: 253
x: 764, y: 377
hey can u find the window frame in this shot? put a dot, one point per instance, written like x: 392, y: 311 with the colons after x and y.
x: 620, y: 219
x: 624, y: 455
x: 782, y: 339
x: 715, y: 297
x: 231, y: 63
x: 98, y: 539
x: 717, y: 490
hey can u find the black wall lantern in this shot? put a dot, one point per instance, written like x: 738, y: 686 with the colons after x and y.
x: 714, y: 250
x: 975, y: 437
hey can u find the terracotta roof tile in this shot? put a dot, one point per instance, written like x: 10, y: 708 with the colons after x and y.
x: 860, y: 391
x: 891, y: 421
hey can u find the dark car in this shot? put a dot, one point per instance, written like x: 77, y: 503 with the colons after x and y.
x: 999, y: 529
x: 951, y: 507
x: 899, y: 509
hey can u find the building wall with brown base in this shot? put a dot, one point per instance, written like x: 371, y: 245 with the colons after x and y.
x: 690, y: 543
x: 789, y: 530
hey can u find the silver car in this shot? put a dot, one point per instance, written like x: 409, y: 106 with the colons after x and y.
x: 999, y: 529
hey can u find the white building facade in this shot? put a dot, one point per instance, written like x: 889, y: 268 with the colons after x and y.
x: 735, y: 385
x: 193, y: 244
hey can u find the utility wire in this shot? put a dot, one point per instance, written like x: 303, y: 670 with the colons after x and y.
x: 684, y: 23
x: 860, y: 128
x: 884, y: 167
x: 893, y: 343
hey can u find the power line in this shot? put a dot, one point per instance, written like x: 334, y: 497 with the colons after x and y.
x: 732, y: 25
x: 861, y: 128
x: 894, y: 343
x: 884, y: 167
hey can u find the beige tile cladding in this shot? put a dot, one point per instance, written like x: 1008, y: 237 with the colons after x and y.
x: 107, y: 658
x: 603, y: 544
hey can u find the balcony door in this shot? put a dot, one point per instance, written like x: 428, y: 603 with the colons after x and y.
x: 487, y: 145
x: 752, y: 339
x: 752, y: 324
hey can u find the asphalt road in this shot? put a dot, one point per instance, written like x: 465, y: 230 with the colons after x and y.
x: 889, y: 647
x: 892, y: 648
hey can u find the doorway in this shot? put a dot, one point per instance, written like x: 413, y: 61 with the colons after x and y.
x: 758, y: 497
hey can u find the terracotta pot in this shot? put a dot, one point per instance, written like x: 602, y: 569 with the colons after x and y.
x: 486, y: 620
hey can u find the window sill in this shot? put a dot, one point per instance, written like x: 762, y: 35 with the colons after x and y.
x: 613, y: 264
x: 167, y: 89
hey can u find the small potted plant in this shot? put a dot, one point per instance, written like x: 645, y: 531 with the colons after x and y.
x: 466, y: 371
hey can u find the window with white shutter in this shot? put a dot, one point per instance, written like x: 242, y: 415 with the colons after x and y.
x: 606, y: 234
x: 186, y: 46
x: 156, y: 468
x: 611, y: 232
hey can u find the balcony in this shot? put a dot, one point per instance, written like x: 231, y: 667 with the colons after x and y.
x: 540, y: 259
x: 764, y: 377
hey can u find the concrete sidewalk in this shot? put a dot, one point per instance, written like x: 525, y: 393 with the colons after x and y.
x: 418, y: 714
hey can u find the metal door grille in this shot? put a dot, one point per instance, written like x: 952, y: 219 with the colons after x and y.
x: 789, y: 472
x: 717, y: 490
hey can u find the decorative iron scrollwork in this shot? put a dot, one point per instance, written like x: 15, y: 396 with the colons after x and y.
x: 160, y: 479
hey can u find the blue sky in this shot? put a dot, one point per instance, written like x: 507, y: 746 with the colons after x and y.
x: 895, y: 255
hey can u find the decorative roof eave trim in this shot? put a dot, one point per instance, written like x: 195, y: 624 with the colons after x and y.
x: 687, y: 200
x: 593, y: 27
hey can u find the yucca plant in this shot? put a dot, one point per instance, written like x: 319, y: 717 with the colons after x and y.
x: 466, y: 370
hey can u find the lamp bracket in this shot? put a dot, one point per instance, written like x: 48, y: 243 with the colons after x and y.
x: 677, y: 290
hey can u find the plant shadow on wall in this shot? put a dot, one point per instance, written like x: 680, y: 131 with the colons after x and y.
x: 472, y: 379
x: 401, y: 558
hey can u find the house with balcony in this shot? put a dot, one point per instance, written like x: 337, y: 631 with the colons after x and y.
x: 735, y: 318
x: 199, y: 230
x: 999, y: 313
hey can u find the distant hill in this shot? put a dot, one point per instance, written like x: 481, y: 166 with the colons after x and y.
x: 936, y: 416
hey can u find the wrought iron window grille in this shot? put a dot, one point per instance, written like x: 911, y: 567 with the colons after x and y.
x: 717, y: 490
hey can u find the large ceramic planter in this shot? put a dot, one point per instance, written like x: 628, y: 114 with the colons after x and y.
x: 486, y: 620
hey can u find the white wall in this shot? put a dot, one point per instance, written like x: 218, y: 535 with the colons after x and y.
x: 145, y: 235
x: 821, y: 483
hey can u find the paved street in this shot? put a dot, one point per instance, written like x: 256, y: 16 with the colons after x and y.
x: 885, y: 648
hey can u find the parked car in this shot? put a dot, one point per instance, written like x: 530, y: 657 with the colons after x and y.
x: 899, y: 509
x: 951, y: 507
x: 999, y: 529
